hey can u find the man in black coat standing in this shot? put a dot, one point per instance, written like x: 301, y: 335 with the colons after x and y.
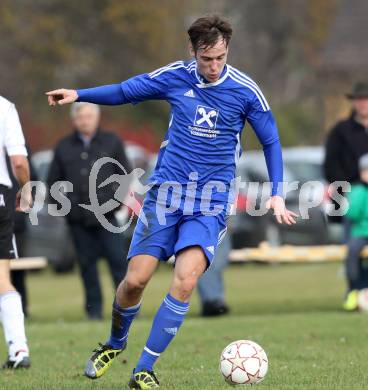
x: 73, y: 160
x: 348, y: 141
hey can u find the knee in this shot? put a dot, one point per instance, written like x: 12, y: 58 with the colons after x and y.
x: 184, y: 286
x: 6, y: 286
x: 133, y: 284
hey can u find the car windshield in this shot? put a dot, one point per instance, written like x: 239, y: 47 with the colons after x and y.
x: 254, y: 170
x: 304, y: 171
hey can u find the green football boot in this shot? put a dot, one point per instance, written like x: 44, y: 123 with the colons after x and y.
x: 101, y: 360
x: 143, y: 380
x: 351, y: 301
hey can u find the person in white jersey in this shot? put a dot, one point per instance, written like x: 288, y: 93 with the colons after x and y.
x: 11, y: 311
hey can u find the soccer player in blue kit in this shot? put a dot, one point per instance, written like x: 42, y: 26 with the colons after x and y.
x: 210, y: 103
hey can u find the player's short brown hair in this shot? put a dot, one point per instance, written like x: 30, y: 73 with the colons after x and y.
x: 206, y: 31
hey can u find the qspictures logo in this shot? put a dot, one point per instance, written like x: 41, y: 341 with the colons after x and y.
x: 124, y: 195
x: 169, y: 197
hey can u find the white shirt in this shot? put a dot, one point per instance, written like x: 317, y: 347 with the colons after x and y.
x: 11, y: 138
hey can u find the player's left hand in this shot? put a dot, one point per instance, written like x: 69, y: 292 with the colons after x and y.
x: 282, y: 214
x: 24, y: 199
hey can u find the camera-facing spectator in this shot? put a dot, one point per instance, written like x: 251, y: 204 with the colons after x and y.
x: 347, y: 142
x: 73, y: 159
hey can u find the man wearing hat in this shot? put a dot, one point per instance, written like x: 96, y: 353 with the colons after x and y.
x: 347, y: 142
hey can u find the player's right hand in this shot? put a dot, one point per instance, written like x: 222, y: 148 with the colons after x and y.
x: 61, y: 96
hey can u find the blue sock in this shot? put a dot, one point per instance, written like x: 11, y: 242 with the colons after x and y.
x: 167, y: 322
x: 120, y: 324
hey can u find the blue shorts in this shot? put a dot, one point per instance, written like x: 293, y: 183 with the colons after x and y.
x: 162, y: 240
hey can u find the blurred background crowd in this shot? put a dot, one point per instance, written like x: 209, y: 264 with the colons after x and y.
x: 305, y: 54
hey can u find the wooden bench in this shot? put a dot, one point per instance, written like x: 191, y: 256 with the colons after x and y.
x: 28, y: 263
x: 291, y: 253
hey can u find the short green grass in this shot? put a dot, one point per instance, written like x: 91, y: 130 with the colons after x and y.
x: 293, y: 311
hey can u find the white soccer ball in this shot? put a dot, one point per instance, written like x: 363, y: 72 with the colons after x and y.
x: 243, y: 362
x: 363, y: 300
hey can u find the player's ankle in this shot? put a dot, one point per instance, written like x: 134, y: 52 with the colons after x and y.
x: 16, y: 348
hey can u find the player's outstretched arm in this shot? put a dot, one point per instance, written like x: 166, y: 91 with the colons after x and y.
x: 109, y: 95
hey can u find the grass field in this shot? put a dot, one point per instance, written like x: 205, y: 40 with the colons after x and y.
x: 293, y: 311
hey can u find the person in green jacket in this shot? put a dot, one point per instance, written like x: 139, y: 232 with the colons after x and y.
x: 358, y: 214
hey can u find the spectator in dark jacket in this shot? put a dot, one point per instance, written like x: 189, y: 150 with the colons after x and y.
x: 73, y: 159
x: 348, y: 141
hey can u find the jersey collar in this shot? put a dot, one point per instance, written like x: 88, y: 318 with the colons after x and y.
x: 204, y: 84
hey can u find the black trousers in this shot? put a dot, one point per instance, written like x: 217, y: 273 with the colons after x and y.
x: 357, y: 276
x: 92, y: 243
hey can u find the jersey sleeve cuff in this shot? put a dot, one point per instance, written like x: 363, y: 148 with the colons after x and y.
x: 278, y: 190
x: 18, y: 150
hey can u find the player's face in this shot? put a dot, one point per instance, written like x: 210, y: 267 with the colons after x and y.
x: 211, y: 60
x: 86, y: 119
x: 360, y: 106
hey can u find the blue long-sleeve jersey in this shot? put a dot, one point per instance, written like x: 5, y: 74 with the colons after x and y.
x: 205, y: 124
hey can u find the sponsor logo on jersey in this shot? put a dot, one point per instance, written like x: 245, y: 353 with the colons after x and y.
x: 206, y: 117
x: 205, y: 122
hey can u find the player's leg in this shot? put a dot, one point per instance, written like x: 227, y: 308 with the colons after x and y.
x: 190, y: 265
x: 12, y: 320
x: 5, y: 283
x: 198, y: 237
x: 129, y: 295
x: 151, y: 241
x: 18, y: 278
x: 10, y: 301
x: 125, y: 308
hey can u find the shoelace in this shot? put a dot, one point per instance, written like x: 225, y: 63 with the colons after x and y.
x: 152, y: 374
x: 98, y: 350
x: 101, y: 348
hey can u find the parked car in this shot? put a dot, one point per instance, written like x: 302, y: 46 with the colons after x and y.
x: 301, y: 164
x: 305, y: 166
x: 51, y: 237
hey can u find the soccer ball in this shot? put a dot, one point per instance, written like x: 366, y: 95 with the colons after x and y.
x: 243, y: 362
x: 363, y: 300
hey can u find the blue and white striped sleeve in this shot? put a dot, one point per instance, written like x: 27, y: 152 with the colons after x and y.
x: 154, y: 85
x: 143, y: 87
x: 264, y: 125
